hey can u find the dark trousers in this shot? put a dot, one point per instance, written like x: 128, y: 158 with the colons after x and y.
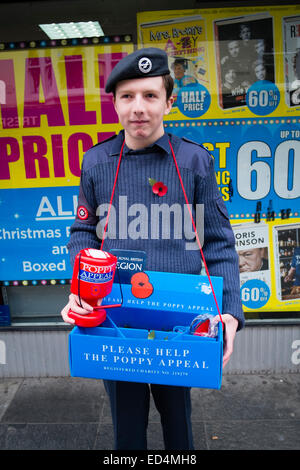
x: 130, y: 408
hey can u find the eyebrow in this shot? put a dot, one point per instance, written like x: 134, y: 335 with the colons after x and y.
x: 133, y: 91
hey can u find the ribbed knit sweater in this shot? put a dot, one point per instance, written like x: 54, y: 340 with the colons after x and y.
x: 134, y: 222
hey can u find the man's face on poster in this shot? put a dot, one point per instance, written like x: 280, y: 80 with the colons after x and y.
x: 245, y: 33
x: 250, y: 260
x: 230, y: 76
x: 260, y: 72
x: 260, y: 46
x: 233, y: 48
x: 178, y: 71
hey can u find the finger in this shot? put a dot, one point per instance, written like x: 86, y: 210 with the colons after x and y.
x: 77, y: 309
x: 228, y: 348
x: 66, y: 318
x: 226, y: 355
x: 84, y: 308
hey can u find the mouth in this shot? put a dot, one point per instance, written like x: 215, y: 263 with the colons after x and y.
x: 138, y: 122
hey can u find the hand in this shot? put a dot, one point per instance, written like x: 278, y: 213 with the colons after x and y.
x: 230, y: 324
x: 290, y: 275
x: 74, y: 305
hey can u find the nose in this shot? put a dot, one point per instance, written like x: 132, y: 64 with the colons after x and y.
x: 138, y: 105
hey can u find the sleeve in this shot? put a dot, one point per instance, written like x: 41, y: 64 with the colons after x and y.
x: 83, y: 233
x: 219, y: 243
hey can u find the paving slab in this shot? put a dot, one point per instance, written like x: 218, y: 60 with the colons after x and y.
x: 56, y: 400
x: 48, y: 436
x: 8, y: 389
x: 249, y: 397
x: 253, y: 435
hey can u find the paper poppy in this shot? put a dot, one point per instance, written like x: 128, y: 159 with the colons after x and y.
x: 140, y: 286
x: 139, y: 278
x: 158, y: 187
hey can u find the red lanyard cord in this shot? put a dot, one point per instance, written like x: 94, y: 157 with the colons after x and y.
x: 196, y: 233
x: 112, y: 195
x: 106, y: 224
x: 190, y: 212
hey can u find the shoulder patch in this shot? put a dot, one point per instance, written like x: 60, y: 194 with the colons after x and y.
x: 82, y: 213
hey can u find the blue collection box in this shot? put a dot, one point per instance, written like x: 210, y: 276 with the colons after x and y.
x: 148, y: 339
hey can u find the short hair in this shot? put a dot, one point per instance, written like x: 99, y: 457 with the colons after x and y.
x: 168, y: 84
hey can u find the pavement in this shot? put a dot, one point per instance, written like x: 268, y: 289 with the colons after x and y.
x: 250, y: 412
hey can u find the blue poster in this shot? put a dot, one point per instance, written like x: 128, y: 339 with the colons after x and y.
x: 34, y: 231
x: 257, y: 163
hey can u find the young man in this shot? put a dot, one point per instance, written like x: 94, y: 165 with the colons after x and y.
x: 142, y: 89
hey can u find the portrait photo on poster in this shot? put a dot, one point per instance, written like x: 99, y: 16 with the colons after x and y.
x: 287, y: 261
x: 244, y: 55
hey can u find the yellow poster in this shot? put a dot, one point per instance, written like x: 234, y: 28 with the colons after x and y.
x: 240, y: 62
x: 54, y: 108
x: 185, y: 43
x: 237, y: 88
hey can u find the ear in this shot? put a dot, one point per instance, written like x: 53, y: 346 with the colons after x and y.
x: 115, y: 104
x: 169, y: 105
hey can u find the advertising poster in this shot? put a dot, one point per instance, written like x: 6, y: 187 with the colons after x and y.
x: 238, y: 94
x: 53, y: 109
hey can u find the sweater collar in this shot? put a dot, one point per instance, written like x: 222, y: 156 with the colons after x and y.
x: 162, y: 143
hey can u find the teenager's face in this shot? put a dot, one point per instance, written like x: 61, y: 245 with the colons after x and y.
x: 141, y: 105
x: 233, y: 48
x: 260, y: 46
x: 245, y: 33
x: 230, y: 76
x: 260, y: 72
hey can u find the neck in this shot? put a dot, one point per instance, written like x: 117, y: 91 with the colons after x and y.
x: 140, y: 143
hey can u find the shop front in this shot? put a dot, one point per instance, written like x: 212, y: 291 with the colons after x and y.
x: 237, y: 92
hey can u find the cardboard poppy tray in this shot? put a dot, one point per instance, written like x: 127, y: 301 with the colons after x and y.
x: 148, y: 338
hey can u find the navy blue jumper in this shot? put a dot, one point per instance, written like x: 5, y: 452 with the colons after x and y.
x: 134, y: 206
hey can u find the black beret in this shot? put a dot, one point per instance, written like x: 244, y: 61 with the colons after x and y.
x: 147, y: 62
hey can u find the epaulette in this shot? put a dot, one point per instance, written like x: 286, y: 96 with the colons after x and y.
x: 104, y: 141
x: 196, y: 143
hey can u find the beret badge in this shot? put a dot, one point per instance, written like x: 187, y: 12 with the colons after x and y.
x: 145, y: 65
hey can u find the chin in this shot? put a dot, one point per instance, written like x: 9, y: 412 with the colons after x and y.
x: 140, y: 135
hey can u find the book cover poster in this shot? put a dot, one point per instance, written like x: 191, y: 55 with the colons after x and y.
x: 291, y: 39
x: 287, y: 262
x: 252, y: 245
x: 244, y: 55
x: 184, y: 38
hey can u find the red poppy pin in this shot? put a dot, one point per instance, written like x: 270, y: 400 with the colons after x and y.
x: 158, y: 187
